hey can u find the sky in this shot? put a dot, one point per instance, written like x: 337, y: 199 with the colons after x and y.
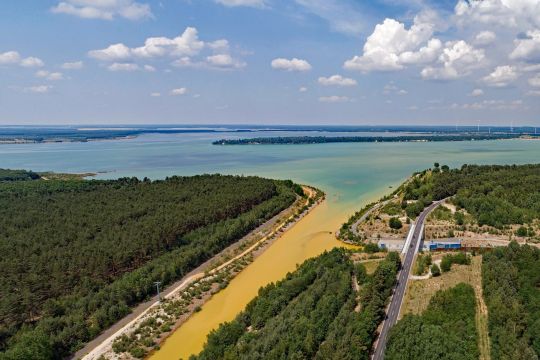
x: 379, y: 62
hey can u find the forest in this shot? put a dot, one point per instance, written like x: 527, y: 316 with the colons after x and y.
x: 510, y: 280
x: 446, y: 329
x: 301, y: 140
x: 495, y: 195
x: 77, y: 255
x: 317, y: 307
x: 17, y: 175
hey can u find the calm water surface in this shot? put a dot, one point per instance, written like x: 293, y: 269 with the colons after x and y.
x: 351, y: 175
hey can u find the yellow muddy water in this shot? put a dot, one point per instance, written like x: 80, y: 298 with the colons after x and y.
x: 308, y: 238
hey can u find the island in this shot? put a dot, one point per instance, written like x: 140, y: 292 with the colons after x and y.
x: 303, y: 140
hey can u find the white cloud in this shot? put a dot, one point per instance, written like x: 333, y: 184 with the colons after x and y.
x: 528, y: 48
x: 391, y: 46
x: 224, y: 61
x: 505, y: 13
x: 502, y: 76
x: 155, y: 94
x: 183, y: 49
x: 123, y: 67
x: 485, y: 38
x: 250, y: 3
x: 457, y: 59
x: 76, y: 65
x: 337, y: 80
x: 9, y: 57
x: 333, y: 99
x: 178, y: 91
x: 303, y: 89
x: 293, y: 64
x: 112, y: 53
x: 186, y: 44
x: 477, y: 92
x: 535, y: 81
x: 104, y: 9
x: 38, y: 89
x: 149, y: 68
x: 50, y: 75
x: 533, y: 93
x: 31, y: 62
x: 491, y: 105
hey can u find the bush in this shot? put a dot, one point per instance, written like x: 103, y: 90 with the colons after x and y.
x: 522, y: 231
x: 395, y: 223
x: 435, y: 270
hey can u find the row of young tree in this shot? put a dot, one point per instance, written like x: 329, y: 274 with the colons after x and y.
x: 77, y: 255
x: 511, y: 279
x: 495, y: 195
x: 310, y: 314
x: 445, y: 330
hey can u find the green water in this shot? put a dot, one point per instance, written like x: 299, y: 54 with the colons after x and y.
x: 347, y: 172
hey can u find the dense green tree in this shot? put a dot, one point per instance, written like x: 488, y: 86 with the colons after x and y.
x: 510, y: 278
x: 446, y: 330
x: 77, y: 255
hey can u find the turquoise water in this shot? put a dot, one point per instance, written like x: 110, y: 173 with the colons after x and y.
x: 349, y: 173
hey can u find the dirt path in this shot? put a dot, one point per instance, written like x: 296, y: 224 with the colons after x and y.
x: 95, y: 348
x: 481, y: 314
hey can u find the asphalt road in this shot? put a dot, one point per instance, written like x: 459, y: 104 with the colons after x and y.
x: 399, y: 290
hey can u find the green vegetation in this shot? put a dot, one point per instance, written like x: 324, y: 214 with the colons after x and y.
x: 435, y: 270
x: 395, y: 223
x: 446, y: 330
x: 77, y: 255
x: 511, y: 278
x: 315, y: 307
x: 299, y: 140
x: 449, y: 259
x: 493, y: 195
x: 423, y: 261
x: 17, y: 175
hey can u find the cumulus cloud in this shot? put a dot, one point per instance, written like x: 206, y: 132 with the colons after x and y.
x: 38, y: 89
x: 485, y: 38
x: 10, y: 57
x: 112, y: 53
x: 527, y: 48
x: 303, y: 89
x: 50, y: 75
x: 502, y: 76
x: 76, y: 65
x: 178, y: 91
x: 14, y: 58
x: 391, y: 46
x: 250, y: 3
x: 155, y: 94
x: 505, y: 13
x: 224, y: 61
x: 293, y: 64
x: 104, y: 9
x: 457, y: 59
x: 123, y: 67
x: 477, y: 92
x: 183, y: 49
x: 337, y: 80
x: 32, y: 62
x: 333, y: 99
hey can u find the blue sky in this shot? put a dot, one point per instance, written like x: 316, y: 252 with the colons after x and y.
x: 270, y: 61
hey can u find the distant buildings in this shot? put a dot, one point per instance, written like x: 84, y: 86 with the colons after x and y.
x: 429, y: 245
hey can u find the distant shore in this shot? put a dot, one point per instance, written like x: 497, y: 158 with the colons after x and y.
x: 302, y: 140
